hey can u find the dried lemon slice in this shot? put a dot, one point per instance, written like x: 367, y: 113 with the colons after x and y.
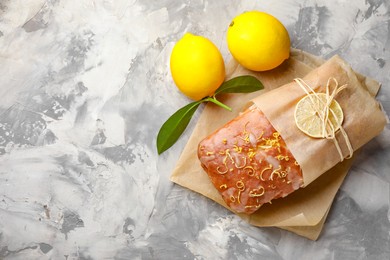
x: 310, y: 116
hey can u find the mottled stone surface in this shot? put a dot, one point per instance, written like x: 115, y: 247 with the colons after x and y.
x: 84, y: 89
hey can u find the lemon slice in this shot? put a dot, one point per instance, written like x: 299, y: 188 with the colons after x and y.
x: 309, y: 116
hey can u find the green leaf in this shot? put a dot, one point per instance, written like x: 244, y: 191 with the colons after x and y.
x: 172, y: 129
x: 240, y: 84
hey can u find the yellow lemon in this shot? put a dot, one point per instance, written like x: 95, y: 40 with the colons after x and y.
x: 258, y: 41
x: 197, y: 66
x: 311, y: 119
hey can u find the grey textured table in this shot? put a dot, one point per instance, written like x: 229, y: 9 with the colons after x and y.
x: 84, y: 88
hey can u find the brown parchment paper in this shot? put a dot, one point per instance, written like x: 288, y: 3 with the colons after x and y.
x: 302, y: 212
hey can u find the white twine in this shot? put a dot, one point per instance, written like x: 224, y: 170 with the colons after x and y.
x: 328, y: 130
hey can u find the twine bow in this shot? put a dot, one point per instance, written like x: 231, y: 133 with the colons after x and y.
x: 328, y: 129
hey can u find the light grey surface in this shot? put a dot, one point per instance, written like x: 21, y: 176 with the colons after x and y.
x: 84, y: 88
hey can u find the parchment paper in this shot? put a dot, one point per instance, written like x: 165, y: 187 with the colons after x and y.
x: 302, y: 212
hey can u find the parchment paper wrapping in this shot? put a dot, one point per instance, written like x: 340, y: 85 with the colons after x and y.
x: 363, y: 117
x: 302, y: 212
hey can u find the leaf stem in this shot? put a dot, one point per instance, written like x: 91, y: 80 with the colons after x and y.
x: 215, y: 101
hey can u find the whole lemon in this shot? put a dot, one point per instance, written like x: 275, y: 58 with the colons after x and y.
x: 197, y: 66
x: 258, y: 41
